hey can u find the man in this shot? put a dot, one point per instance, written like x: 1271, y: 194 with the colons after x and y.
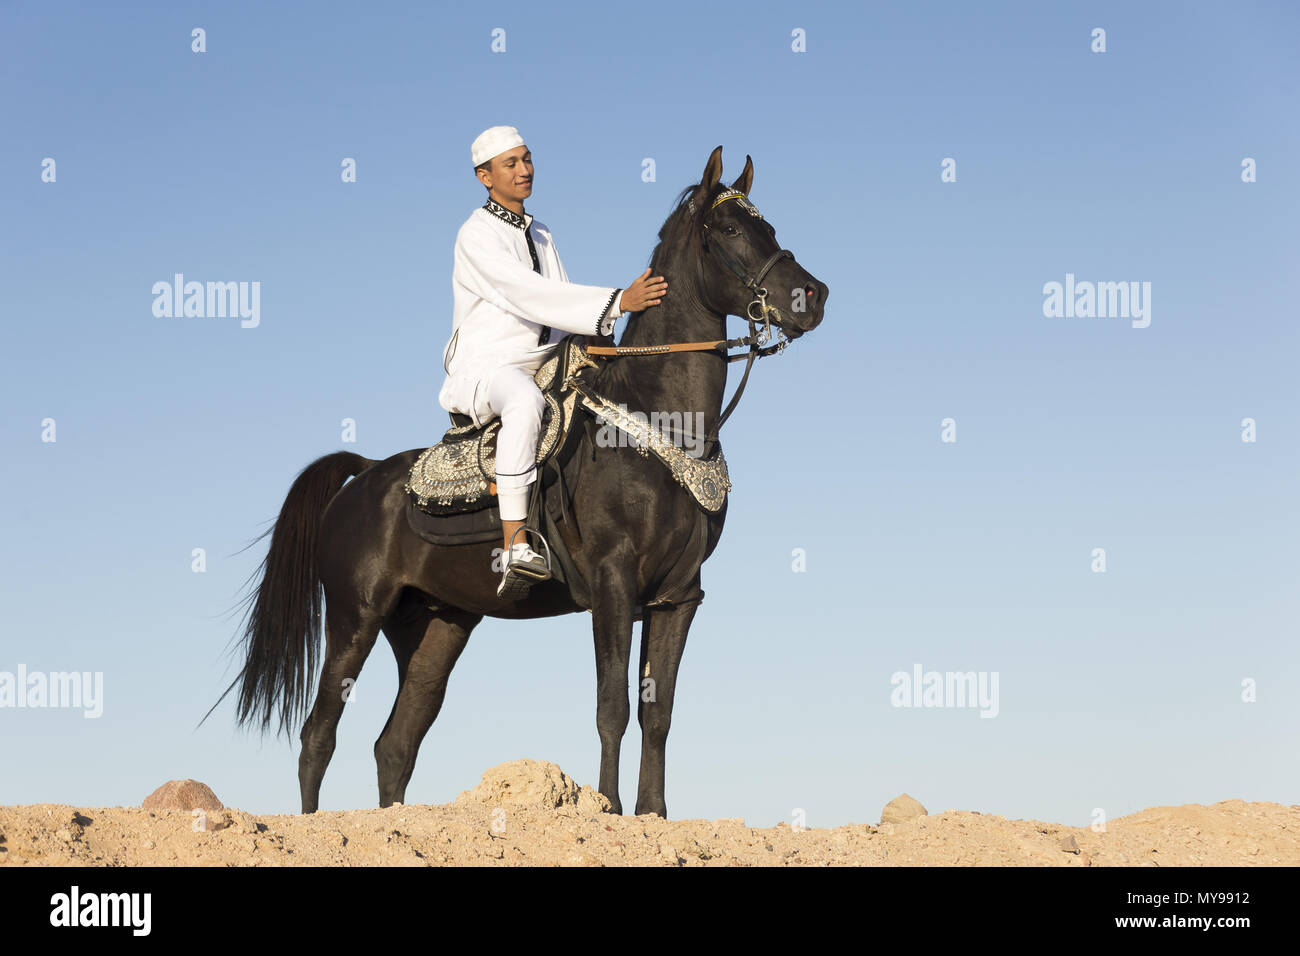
x: 512, y: 303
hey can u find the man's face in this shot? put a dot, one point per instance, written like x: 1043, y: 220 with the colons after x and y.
x: 512, y: 174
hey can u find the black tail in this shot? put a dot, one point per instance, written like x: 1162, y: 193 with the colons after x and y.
x: 283, y: 633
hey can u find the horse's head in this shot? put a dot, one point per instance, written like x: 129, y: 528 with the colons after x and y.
x: 743, y: 269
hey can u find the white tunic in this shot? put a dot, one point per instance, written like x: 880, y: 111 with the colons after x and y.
x: 501, y: 305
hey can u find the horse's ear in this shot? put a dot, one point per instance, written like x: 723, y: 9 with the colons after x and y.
x: 745, y: 179
x: 712, y: 173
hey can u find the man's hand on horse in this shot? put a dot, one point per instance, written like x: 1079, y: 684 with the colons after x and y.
x: 646, y: 290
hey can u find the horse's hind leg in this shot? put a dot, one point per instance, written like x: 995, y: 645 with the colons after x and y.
x: 441, y: 636
x: 405, y: 629
x: 663, y: 639
x: 350, y: 633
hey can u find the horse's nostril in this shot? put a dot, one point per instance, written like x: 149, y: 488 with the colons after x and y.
x: 810, y: 292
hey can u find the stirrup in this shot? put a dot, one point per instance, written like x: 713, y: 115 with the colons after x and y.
x: 524, y: 570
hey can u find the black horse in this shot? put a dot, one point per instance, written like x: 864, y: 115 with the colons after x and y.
x: 349, y: 542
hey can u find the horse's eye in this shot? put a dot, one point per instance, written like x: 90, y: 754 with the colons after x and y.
x: 730, y: 230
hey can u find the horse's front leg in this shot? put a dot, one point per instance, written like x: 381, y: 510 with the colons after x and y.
x: 663, y: 639
x: 613, y: 604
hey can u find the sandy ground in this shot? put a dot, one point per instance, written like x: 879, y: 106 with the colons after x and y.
x: 529, y: 813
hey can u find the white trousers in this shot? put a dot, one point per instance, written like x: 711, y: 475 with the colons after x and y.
x: 514, y: 396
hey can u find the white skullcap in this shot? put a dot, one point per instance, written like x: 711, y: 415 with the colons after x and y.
x: 493, y: 142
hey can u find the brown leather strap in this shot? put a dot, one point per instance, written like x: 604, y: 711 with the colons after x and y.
x: 655, y: 349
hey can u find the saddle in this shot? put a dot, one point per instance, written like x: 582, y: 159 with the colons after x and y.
x: 458, y: 475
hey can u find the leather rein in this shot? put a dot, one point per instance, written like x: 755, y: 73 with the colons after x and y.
x: 756, y: 340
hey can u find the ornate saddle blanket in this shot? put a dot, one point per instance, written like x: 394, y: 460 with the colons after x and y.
x: 458, y: 475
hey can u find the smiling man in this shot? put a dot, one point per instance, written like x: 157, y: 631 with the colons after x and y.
x: 512, y: 303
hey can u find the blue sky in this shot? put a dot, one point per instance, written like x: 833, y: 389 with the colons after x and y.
x: 1118, y: 690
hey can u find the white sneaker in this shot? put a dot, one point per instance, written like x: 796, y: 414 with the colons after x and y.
x: 524, y: 568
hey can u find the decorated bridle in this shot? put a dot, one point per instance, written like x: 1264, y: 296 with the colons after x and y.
x: 757, y: 311
x: 750, y: 282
